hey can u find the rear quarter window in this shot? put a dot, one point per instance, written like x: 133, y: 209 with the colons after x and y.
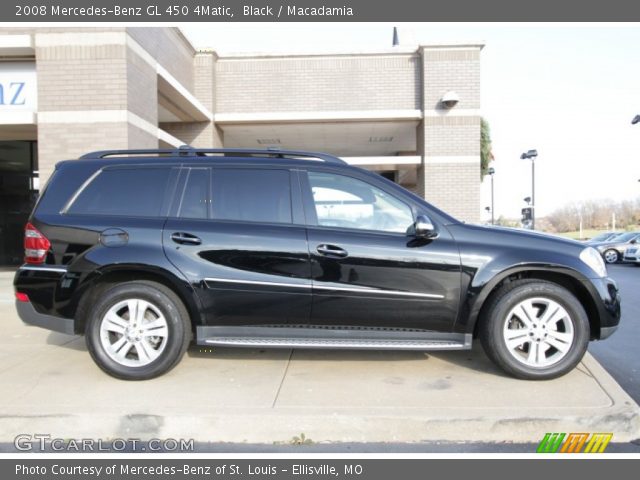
x: 138, y: 192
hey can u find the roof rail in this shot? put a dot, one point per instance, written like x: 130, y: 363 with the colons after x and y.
x: 188, y: 151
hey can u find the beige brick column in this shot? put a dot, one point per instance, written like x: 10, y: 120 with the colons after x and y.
x: 200, y: 134
x: 94, y: 92
x: 449, y: 139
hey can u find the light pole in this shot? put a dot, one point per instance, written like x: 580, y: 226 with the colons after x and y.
x: 491, y: 172
x: 531, y: 155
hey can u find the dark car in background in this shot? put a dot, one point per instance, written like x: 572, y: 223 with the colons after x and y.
x: 145, y: 251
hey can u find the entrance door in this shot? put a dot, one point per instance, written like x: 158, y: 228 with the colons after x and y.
x: 17, y: 197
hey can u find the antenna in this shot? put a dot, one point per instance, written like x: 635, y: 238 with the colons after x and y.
x: 396, y: 39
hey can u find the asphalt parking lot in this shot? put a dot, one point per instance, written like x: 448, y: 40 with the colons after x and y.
x: 270, y: 397
x: 620, y: 354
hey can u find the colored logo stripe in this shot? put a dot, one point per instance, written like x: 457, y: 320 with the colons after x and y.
x: 550, y: 443
x: 598, y: 442
x: 574, y: 443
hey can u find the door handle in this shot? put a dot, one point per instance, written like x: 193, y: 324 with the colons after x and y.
x: 185, y: 238
x: 331, y: 251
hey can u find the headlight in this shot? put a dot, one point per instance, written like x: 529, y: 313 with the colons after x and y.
x: 591, y: 257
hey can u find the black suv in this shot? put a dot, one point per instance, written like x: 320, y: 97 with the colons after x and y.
x: 143, y: 251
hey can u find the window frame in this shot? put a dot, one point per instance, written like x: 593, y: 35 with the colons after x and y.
x: 310, y: 206
x: 167, y: 197
x: 183, y: 182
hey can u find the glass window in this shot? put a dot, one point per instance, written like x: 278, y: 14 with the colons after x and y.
x: 137, y: 192
x: 251, y: 195
x: 195, y: 198
x: 346, y: 202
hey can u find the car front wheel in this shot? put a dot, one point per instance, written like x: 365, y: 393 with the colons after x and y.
x: 535, y: 330
x: 611, y: 256
x: 138, y: 330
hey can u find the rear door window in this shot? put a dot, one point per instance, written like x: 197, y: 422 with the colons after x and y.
x: 251, y: 195
x: 137, y: 192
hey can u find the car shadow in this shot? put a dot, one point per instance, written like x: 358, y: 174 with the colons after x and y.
x: 473, y: 359
x: 71, y: 342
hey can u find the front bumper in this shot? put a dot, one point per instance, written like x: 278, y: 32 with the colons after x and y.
x: 29, y: 315
x: 607, y: 300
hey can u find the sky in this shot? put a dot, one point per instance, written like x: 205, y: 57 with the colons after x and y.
x: 569, y: 91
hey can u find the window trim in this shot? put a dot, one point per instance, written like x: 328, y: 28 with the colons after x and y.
x: 310, y: 207
x: 179, y: 198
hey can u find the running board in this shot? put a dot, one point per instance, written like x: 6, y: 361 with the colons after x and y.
x: 357, y: 338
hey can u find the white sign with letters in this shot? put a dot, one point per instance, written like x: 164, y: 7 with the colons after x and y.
x: 18, y: 87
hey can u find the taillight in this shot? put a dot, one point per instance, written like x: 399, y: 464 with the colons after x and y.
x: 36, y: 245
x: 22, y: 297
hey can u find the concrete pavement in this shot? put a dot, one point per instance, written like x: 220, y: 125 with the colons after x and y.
x: 50, y: 385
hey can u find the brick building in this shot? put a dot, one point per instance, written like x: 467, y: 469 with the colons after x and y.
x: 66, y: 91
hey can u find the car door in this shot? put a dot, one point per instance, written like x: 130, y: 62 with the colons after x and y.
x: 238, y: 237
x: 366, y: 270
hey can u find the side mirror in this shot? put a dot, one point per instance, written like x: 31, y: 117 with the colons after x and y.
x: 634, y: 241
x: 424, y: 228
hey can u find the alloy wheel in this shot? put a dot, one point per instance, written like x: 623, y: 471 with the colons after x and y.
x: 611, y: 256
x: 538, y: 332
x: 134, y: 332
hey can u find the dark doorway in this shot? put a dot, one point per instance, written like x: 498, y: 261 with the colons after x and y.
x: 18, y: 164
x: 390, y: 175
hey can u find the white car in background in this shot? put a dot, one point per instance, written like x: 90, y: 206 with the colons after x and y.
x: 632, y: 255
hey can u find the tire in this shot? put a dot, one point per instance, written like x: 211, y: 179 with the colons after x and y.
x: 611, y: 256
x: 150, y: 345
x: 530, y: 354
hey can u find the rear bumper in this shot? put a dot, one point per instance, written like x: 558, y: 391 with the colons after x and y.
x: 48, y: 288
x: 29, y: 315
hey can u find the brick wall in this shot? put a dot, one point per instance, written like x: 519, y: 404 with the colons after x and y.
x: 102, y: 74
x: 141, y: 88
x: 280, y: 84
x: 170, y: 48
x: 65, y: 141
x: 449, y: 140
x: 457, y: 70
x: 81, y: 77
x: 452, y: 135
x: 452, y: 187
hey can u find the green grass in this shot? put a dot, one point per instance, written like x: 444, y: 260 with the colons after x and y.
x: 590, y: 233
x: 585, y: 234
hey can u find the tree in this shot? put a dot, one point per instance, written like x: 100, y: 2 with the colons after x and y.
x: 486, y: 155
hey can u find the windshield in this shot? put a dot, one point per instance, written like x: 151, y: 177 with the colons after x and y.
x: 602, y: 237
x: 625, y: 237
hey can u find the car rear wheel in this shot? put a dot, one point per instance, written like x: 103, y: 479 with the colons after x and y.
x: 611, y: 256
x: 138, y: 330
x: 535, y: 330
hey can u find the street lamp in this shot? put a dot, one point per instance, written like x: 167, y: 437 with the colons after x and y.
x: 531, y: 155
x: 491, y: 172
